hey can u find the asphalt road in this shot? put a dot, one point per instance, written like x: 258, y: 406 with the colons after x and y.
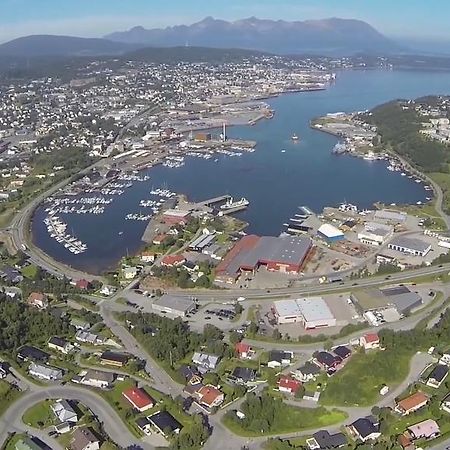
x: 112, y: 423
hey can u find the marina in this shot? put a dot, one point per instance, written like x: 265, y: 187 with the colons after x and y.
x: 274, y: 184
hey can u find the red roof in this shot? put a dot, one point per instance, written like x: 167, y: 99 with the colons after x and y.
x: 208, y: 394
x: 371, y: 337
x: 138, y: 398
x: 289, y: 383
x: 172, y: 260
x: 83, y: 284
x: 240, y: 348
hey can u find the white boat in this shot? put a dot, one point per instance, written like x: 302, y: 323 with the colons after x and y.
x: 295, y: 137
x: 230, y: 204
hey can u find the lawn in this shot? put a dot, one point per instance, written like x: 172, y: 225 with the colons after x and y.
x: 359, y: 382
x: 30, y: 271
x: 8, y: 394
x: 291, y: 420
x: 14, y: 438
x: 39, y: 415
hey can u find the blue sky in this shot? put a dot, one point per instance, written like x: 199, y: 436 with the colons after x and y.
x: 397, y: 18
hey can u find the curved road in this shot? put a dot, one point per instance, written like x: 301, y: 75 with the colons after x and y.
x: 112, y: 423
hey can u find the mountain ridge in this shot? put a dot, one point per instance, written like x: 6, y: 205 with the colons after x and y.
x: 332, y: 35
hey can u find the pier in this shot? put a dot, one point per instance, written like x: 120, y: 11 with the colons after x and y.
x: 213, y: 201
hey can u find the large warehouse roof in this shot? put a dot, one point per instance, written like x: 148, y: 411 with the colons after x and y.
x: 330, y: 231
x: 410, y: 243
x: 174, y: 303
x: 310, y: 308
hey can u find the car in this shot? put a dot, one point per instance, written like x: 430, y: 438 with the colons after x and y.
x: 220, y: 318
x: 52, y: 433
x: 207, y: 318
x: 388, y: 277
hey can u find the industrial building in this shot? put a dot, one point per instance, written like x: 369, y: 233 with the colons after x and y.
x: 286, y: 254
x: 203, y: 241
x: 178, y: 306
x: 175, y: 217
x: 330, y: 233
x: 400, y: 298
x: 312, y: 312
x: 375, y: 234
x: 390, y: 216
x: 410, y: 246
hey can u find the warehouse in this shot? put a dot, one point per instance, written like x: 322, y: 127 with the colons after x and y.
x: 391, y: 216
x: 330, y: 233
x: 176, y: 217
x: 410, y: 246
x: 312, y: 312
x: 178, y: 306
x: 375, y: 234
x: 202, y: 242
x: 285, y: 254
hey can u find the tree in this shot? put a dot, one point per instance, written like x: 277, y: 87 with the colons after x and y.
x: 235, y: 337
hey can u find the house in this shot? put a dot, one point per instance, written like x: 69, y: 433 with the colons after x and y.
x: 279, y: 358
x: 4, y: 370
x: 406, y: 442
x: 205, y: 361
x: 114, y: 359
x: 445, y: 359
x: 370, y: 341
x: 209, y: 396
x: 89, y: 338
x: 83, y: 284
x: 160, y: 239
x: 445, y: 404
x: 243, y: 375
x: 173, y: 260
x: 64, y: 412
x: 437, y: 376
x: 10, y: 275
x: 139, y: 398
x: 30, y: 353
x: 365, y: 428
x: 428, y: 429
x: 288, y: 384
x: 412, y: 403
x: 308, y: 372
x: 84, y: 439
x: 44, y: 372
x: 164, y: 421
x: 322, y: 439
x: 144, y: 425
x: 107, y: 290
x: 342, y: 351
x: 129, y: 273
x: 79, y: 324
x: 328, y: 361
x: 191, y: 375
x: 148, y: 257
x: 60, y: 345
x: 98, y: 379
x: 38, y: 300
x: 244, y: 351
x: 191, y: 267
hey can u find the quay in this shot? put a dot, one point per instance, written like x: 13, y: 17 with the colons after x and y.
x: 213, y: 201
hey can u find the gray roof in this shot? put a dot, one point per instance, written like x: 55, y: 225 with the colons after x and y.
x: 176, y: 303
x: 284, y: 249
x: 99, y: 375
x: 310, y: 308
x: 410, y: 243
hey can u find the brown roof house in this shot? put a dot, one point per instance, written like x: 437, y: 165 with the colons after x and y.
x: 84, y: 439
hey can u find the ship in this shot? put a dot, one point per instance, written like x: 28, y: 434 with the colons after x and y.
x: 295, y: 137
x: 230, y: 204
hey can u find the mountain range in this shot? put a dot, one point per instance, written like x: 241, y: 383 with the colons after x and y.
x: 328, y: 36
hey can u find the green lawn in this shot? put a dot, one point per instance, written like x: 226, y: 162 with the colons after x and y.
x: 359, y: 382
x: 39, y: 415
x: 11, y: 443
x: 292, y: 420
x: 8, y: 394
x: 30, y: 271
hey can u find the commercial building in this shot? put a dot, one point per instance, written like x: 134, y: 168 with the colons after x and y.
x: 312, y: 312
x: 286, y: 254
x: 178, y: 306
x: 375, y: 234
x: 391, y: 216
x: 175, y: 217
x: 410, y: 246
x: 330, y: 233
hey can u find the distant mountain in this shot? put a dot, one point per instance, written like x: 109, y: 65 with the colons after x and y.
x: 48, y: 45
x: 329, y: 36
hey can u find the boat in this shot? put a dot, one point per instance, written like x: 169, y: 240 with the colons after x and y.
x: 339, y: 149
x: 283, y: 151
x: 295, y: 137
x: 230, y: 204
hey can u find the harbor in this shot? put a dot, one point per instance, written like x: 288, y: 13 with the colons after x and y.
x: 274, y: 183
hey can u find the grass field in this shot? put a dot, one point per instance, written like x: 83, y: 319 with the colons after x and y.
x: 359, y: 382
x: 291, y: 420
x: 30, y: 271
x: 39, y: 415
x: 8, y: 395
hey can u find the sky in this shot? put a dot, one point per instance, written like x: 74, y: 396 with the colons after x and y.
x: 95, y: 18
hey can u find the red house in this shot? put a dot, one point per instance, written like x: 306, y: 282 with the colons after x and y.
x: 158, y: 240
x: 288, y: 384
x: 138, y: 398
x: 243, y: 351
x: 83, y: 284
x: 173, y: 260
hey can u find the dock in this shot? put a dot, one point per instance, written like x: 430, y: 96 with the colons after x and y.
x: 226, y: 212
x: 213, y: 201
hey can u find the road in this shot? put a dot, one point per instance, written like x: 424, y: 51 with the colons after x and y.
x: 112, y: 423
